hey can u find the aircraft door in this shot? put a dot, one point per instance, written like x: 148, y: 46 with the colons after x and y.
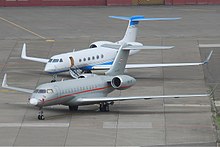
x: 58, y: 91
x: 71, y: 62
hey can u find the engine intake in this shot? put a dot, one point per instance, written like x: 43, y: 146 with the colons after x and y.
x: 122, y: 82
x: 99, y: 44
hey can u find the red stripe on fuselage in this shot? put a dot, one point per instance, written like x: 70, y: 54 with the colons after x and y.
x: 96, y: 89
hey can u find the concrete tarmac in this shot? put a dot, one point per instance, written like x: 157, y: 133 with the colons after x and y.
x: 163, y: 122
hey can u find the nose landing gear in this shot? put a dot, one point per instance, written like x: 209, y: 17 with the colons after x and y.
x: 54, y: 78
x: 40, y: 115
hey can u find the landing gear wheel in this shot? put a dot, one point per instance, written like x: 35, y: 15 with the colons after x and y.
x: 104, y: 107
x: 54, y: 78
x: 73, y: 108
x: 41, y: 116
x: 53, y: 81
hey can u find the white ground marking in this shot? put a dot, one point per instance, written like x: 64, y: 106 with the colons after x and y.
x: 127, y: 125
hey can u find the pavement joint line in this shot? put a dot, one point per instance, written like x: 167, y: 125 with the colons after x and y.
x: 8, y: 125
x: 23, y: 28
x: 186, y: 105
x: 129, y: 125
x: 209, y: 45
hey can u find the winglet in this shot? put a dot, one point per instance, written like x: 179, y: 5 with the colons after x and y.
x: 24, y: 56
x: 23, y: 53
x: 4, y: 82
x: 208, y: 58
x: 5, y: 85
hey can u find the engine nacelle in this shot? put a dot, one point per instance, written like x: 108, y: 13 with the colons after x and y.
x: 99, y: 43
x: 122, y: 82
x: 86, y: 75
x: 134, y: 43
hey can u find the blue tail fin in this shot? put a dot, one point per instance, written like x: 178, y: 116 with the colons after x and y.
x: 131, y: 32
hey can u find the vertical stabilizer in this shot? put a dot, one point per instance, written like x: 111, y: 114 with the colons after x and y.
x: 119, y: 63
x: 131, y: 32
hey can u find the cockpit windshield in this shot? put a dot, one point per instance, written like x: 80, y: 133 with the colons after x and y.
x: 43, y: 91
x: 55, y: 60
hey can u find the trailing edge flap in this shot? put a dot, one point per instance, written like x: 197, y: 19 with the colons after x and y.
x: 107, y: 99
x: 115, y: 46
x: 5, y: 85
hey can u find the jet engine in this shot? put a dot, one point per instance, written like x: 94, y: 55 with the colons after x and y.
x: 134, y: 44
x: 122, y: 82
x: 99, y: 43
x: 86, y: 75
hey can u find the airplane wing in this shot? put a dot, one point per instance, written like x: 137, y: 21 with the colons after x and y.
x: 132, y: 66
x: 5, y: 85
x: 108, y: 99
x: 24, y: 56
x: 135, y: 47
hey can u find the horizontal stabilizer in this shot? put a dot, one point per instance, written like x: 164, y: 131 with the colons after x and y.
x: 142, y: 18
x: 115, y: 46
x: 24, y: 56
x: 5, y: 85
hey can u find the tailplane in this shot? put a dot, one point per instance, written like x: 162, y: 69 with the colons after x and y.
x: 131, y: 32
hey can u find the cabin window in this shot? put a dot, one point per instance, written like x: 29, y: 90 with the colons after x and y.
x: 93, y: 58
x: 102, y: 56
x: 84, y: 59
x: 88, y: 58
x: 97, y: 57
x: 80, y: 60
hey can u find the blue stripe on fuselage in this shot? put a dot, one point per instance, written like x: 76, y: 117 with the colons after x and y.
x: 90, y: 67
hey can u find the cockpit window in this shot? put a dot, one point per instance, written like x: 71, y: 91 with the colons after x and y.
x: 50, y: 60
x: 55, y: 60
x: 39, y: 91
x: 49, y: 90
x: 61, y: 60
x: 36, y: 90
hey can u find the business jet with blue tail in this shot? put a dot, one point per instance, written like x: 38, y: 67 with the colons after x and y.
x: 88, y: 90
x: 101, y: 54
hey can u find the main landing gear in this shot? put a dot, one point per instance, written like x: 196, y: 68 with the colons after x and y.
x: 104, y: 106
x: 40, y: 115
x: 73, y: 108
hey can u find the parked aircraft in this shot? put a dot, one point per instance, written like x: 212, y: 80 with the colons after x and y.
x: 89, y: 89
x: 100, y: 52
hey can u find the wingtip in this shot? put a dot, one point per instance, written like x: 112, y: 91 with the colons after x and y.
x: 208, y: 58
x: 4, y: 82
x: 23, y: 53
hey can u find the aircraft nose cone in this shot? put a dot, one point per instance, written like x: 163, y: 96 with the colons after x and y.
x: 49, y: 68
x: 33, y: 102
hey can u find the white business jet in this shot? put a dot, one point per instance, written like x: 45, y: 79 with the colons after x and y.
x: 101, y: 54
x: 90, y: 90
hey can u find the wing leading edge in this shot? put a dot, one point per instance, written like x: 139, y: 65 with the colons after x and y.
x: 107, y: 99
x: 24, y: 56
x: 5, y: 85
x: 131, y: 66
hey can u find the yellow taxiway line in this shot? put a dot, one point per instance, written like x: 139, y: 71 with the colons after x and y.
x: 25, y: 29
